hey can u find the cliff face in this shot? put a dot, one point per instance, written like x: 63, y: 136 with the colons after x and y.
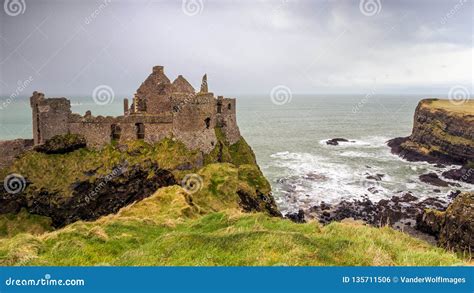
x: 442, y: 133
x: 454, y: 228
x: 73, y: 184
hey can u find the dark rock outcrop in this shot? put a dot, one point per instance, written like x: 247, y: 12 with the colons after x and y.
x: 61, y: 144
x: 400, y: 212
x: 454, y: 227
x: 296, y: 217
x: 464, y: 174
x: 258, y: 203
x: 376, y: 177
x: 89, y: 200
x: 336, y: 141
x: 433, y: 179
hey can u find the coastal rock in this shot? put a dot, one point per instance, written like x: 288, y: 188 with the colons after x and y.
x: 464, y: 174
x: 258, y: 203
x: 296, y: 217
x: 433, y: 179
x: 443, y: 133
x: 89, y: 200
x: 400, y: 212
x: 61, y: 144
x: 454, y: 228
x: 87, y: 185
x: 430, y: 222
x: 376, y: 177
x: 457, y: 231
x: 336, y: 141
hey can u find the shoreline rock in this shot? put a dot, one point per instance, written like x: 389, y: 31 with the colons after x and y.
x: 399, y: 212
x: 336, y: 141
x: 464, y: 174
x: 454, y: 227
x: 433, y: 179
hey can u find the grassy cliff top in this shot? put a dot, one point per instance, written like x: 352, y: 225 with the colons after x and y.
x: 173, y: 228
x: 464, y: 108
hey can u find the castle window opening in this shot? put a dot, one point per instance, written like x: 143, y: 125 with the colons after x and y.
x: 219, y: 107
x: 116, y: 132
x: 140, y: 129
x: 229, y: 106
x: 38, y: 131
x: 208, y: 122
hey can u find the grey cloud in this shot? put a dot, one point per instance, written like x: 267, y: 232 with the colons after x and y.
x: 69, y: 48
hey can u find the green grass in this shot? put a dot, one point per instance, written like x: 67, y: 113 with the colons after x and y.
x: 208, y: 227
x: 461, y: 108
x: 170, y: 228
x: 240, y: 153
x: 23, y: 222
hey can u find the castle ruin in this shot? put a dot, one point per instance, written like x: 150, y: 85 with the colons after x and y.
x: 160, y: 109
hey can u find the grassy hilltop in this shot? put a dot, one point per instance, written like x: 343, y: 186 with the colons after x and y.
x: 165, y: 229
x: 230, y: 220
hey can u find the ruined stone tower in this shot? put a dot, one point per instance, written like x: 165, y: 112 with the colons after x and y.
x: 160, y: 108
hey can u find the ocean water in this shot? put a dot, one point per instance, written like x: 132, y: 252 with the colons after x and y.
x: 289, y: 141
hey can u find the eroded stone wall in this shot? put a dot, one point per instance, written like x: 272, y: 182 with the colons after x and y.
x: 228, y: 120
x: 50, y: 117
x: 10, y: 149
x: 160, y: 109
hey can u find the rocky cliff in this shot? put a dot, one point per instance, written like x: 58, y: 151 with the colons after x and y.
x: 67, y: 182
x: 454, y: 228
x: 163, y: 204
x: 443, y: 132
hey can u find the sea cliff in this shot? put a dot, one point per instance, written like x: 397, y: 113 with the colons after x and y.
x: 66, y: 181
x: 443, y: 132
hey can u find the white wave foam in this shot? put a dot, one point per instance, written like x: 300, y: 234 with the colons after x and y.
x: 352, y: 154
x: 366, y: 142
x: 310, y: 179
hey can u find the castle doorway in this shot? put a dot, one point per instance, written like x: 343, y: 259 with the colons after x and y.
x: 208, y: 122
x: 140, y: 130
x: 115, y: 132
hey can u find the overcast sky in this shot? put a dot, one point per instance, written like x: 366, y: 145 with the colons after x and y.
x: 70, y: 47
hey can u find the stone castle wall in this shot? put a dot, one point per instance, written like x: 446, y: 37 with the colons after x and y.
x: 228, y: 120
x: 10, y: 149
x: 160, y: 109
x: 50, y: 117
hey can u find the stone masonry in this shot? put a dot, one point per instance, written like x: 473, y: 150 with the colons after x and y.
x: 160, y: 108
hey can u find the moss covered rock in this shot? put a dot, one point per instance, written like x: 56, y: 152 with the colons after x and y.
x: 457, y: 230
x: 454, y: 228
x: 85, y: 184
x: 61, y: 144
